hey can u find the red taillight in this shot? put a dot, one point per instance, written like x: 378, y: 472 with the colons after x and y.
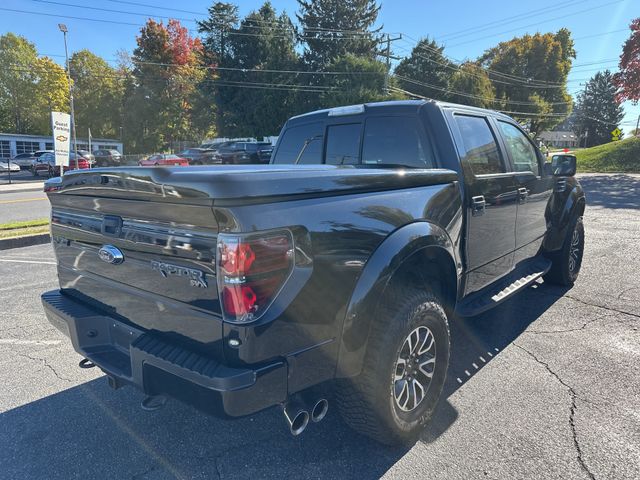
x: 251, y: 270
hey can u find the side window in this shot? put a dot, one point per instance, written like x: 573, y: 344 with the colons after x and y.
x: 520, y: 148
x: 481, y: 150
x: 395, y: 140
x: 303, y: 140
x: 343, y: 144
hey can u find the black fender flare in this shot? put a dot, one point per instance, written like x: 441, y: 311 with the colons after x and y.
x: 562, y: 215
x: 376, y: 275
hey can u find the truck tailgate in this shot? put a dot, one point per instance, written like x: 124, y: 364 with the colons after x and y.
x: 166, y: 281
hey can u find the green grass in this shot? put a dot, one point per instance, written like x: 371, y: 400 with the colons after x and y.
x: 22, y: 232
x: 24, y: 224
x: 21, y: 229
x: 622, y: 157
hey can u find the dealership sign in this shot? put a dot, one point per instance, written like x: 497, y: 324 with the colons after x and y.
x: 61, y: 125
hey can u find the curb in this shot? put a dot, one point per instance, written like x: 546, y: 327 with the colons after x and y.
x: 26, y: 241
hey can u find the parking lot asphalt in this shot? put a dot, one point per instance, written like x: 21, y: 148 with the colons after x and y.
x: 543, y: 386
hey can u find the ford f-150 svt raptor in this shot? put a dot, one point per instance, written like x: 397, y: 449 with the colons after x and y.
x: 340, y: 264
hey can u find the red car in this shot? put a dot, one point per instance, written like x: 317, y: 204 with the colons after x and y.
x: 164, y: 159
x: 46, y: 164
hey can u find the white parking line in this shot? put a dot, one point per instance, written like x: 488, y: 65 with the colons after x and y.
x: 37, y: 262
x: 17, y: 341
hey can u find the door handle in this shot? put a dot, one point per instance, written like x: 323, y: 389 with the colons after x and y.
x: 477, y: 206
x: 523, y: 193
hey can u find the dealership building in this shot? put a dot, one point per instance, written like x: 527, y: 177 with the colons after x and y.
x: 12, y: 144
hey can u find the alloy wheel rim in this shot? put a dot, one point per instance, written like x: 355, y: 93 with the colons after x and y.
x: 574, y: 251
x: 414, y: 369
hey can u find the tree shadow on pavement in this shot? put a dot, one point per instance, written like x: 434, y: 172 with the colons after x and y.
x: 612, y: 191
x: 475, y: 341
x: 92, y: 431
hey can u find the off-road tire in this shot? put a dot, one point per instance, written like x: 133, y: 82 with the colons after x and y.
x: 367, y: 401
x: 561, y: 272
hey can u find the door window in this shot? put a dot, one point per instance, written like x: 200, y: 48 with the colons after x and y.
x: 395, y: 141
x: 520, y: 148
x: 304, y: 141
x: 481, y: 150
x: 343, y: 144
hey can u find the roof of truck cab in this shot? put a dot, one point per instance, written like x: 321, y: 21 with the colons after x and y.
x: 392, y: 105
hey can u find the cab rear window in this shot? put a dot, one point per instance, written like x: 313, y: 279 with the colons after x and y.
x: 304, y: 141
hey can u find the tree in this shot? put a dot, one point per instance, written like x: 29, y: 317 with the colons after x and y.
x: 628, y: 78
x: 470, y: 85
x: 334, y: 28
x: 217, y: 32
x: 365, y: 85
x: 97, y: 92
x: 51, y: 94
x: 260, y: 96
x: 598, y: 111
x: 18, y: 80
x: 159, y: 112
x: 30, y: 87
x: 426, y: 72
x: 530, y: 74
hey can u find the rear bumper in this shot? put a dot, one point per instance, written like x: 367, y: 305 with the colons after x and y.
x: 130, y: 356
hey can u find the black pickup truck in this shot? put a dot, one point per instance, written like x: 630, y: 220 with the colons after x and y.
x: 337, y: 267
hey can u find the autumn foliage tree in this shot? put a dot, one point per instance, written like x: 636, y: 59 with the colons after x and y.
x: 529, y: 74
x: 162, y: 88
x: 628, y: 78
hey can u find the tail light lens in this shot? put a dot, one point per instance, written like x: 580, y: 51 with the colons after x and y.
x: 250, y: 272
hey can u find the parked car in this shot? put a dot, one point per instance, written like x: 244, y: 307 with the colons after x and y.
x: 244, y: 152
x: 337, y: 267
x: 163, y: 159
x: 9, y: 166
x: 24, y: 160
x: 218, y: 145
x: 108, y: 158
x: 200, y: 156
x: 88, y: 155
x: 45, y: 164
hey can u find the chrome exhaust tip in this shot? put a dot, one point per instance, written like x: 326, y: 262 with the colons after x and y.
x: 297, y: 417
x: 319, y: 410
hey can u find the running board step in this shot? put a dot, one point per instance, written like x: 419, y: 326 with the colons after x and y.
x: 496, y: 293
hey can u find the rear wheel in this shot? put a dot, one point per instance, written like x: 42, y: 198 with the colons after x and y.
x: 404, y: 370
x: 566, y: 263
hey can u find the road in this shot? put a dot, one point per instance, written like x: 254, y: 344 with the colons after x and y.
x: 16, y: 206
x: 544, y: 386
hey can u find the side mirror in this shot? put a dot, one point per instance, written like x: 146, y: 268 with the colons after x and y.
x: 563, y: 165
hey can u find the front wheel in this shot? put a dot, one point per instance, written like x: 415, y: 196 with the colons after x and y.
x: 404, y: 370
x: 566, y: 263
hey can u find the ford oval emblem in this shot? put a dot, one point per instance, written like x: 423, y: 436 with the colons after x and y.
x: 111, y: 254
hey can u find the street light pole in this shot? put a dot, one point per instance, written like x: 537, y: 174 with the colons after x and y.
x: 63, y: 29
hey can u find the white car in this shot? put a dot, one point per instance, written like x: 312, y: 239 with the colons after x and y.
x: 5, y: 166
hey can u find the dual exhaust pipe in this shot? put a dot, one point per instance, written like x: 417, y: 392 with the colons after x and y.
x: 298, y: 412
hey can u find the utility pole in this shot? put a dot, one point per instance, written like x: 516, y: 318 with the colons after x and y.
x: 637, y: 133
x: 63, y: 29
x: 389, y: 57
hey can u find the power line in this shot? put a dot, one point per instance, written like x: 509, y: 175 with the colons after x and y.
x: 535, y: 24
x: 477, y: 97
x: 155, y: 6
x: 507, y: 20
x: 526, y: 81
x: 495, y: 80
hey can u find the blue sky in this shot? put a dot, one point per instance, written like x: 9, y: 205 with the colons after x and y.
x: 599, y: 27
